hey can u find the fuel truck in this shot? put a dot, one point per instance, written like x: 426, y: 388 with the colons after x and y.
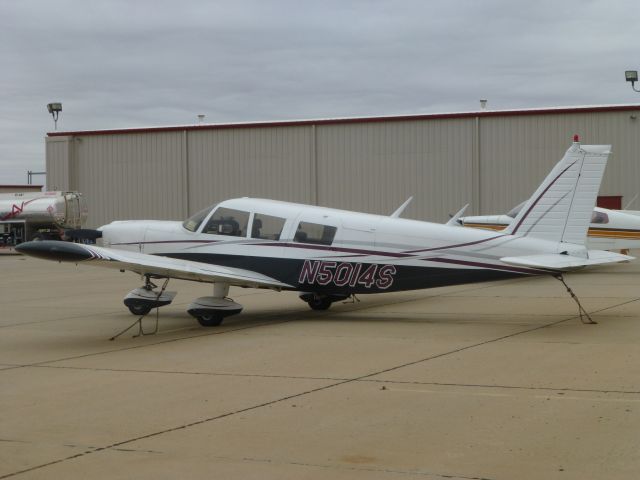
x: 39, y: 216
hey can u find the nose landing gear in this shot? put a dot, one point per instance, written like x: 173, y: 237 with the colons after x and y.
x: 209, y: 311
x: 141, y: 301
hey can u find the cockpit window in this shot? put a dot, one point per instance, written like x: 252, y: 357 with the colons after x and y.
x: 267, y: 227
x: 192, y: 223
x: 314, y: 233
x: 599, y: 217
x: 226, y: 221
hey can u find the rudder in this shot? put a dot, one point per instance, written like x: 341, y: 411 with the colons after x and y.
x: 560, y: 209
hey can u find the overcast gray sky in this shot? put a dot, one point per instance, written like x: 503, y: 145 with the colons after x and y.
x: 119, y: 64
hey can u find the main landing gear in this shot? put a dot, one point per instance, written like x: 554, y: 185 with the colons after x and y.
x: 211, y: 311
x: 318, y: 301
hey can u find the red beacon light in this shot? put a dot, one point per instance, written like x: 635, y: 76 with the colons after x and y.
x: 576, y: 138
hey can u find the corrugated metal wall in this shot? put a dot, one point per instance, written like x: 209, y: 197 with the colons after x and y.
x: 493, y: 162
x: 517, y: 152
x: 262, y: 162
x: 57, y: 163
x: 375, y: 167
x: 130, y: 176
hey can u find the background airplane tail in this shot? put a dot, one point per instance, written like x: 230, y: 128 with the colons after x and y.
x: 560, y: 209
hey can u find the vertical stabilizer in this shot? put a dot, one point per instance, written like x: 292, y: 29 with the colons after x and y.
x: 560, y: 209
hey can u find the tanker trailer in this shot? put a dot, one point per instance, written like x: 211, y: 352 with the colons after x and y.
x: 39, y: 215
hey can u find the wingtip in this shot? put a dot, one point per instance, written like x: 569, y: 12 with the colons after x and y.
x: 54, y: 250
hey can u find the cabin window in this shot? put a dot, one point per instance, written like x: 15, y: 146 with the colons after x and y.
x: 226, y: 221
x: 599, y: 217
x: 314, y: 233
x: 192, y: 223
x: 267, y: 227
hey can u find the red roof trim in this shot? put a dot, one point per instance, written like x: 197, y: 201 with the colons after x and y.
x: 337, y: 121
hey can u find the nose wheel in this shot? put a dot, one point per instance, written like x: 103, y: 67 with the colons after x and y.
x: 139, y: 309
x: 142, y: 300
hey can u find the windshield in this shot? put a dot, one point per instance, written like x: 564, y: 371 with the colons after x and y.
x: 192, y: 223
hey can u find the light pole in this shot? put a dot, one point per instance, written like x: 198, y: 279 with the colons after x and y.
x: 632, y: 76
x: 54, y: 110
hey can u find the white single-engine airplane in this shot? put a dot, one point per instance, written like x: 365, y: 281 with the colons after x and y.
x: 329, y: 255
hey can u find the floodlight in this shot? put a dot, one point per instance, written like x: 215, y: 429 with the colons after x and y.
x: 54, y: 110
x: 632, y: 76
x: 54, y: 107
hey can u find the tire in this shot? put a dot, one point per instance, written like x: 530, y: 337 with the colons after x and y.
x: 139, y: 309
x: 210, y: 319
x: 320, y: 303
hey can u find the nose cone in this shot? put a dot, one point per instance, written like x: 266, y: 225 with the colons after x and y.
x: 55, y: 250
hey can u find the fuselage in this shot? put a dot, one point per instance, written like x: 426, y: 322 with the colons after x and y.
x: 319, y: 249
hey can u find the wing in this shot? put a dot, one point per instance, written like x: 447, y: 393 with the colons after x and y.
x: 560, y: 262
x: 147, y: 264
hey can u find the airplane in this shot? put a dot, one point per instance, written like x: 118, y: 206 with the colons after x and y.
x: 329, y: 255
x: 608, y: 229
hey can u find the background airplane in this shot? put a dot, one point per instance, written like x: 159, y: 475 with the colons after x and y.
x: 608, y: 229
x: 329, y: 254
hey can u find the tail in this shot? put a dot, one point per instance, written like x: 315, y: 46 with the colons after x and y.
x: 560, y: 209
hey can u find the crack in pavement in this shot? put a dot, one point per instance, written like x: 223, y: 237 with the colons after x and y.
x: 263, y: 320
x: 119, y: 444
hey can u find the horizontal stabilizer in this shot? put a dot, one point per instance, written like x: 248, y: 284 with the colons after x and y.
x: 562, y: 262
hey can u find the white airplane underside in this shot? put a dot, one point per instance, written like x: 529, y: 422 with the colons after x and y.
x: 330, y: 254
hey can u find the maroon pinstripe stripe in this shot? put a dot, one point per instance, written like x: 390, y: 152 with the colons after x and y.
x: 335, y: 249
x: 488, y: 265
x: 455, y: 246
x: 167, y: 241
x: 539, y: 197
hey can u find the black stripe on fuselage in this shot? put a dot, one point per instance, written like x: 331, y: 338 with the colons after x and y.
x: 406, y: 277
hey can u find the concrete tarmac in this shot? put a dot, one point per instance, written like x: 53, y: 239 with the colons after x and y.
x: 488, y: 381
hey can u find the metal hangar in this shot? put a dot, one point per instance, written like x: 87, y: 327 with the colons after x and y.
x: 491, y: 159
